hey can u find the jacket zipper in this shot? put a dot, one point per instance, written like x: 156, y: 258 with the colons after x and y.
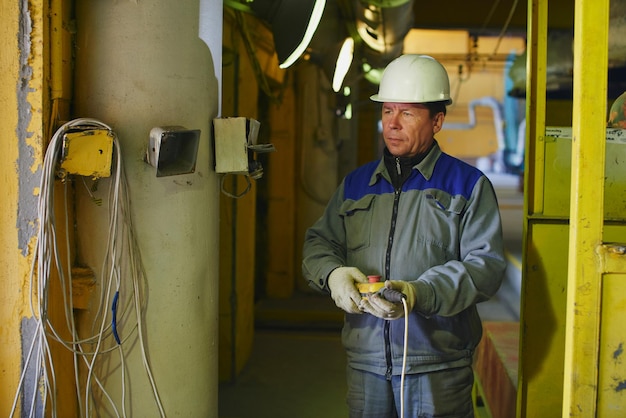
x: 394, y: 217
x: 389, y: 371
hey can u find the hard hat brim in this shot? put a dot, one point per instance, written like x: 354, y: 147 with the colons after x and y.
x: 377, y: 98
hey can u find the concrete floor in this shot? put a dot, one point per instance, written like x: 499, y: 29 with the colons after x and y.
x: 290, y: 374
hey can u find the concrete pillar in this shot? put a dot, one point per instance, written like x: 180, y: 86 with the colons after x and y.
x: 140, y: 65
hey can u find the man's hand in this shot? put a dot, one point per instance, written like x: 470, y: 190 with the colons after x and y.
x: 341, y: 283
x: 378, y: 306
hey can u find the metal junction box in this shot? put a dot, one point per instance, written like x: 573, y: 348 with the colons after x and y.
x: 233, y: 137
x: 173, y: 150
x: 88, y: 153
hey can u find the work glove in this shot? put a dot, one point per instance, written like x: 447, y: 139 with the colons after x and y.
x: 342, y: 284
x: 377, y: 305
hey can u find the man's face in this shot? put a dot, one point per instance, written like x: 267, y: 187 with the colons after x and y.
x: 408, y: 128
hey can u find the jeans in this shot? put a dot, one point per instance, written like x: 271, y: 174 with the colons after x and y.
x: 444, y: 393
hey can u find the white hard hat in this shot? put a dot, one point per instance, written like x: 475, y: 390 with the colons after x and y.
x: 414, y: 78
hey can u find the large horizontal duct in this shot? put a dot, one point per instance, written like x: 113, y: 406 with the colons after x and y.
x: 383, y: 25
x: 560, y: 59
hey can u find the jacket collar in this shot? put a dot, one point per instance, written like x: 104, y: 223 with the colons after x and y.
x: 425, y: 167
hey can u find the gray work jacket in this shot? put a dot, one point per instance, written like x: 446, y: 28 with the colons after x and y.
x: 441, y: 232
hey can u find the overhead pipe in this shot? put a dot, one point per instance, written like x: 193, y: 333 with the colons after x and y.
x: 492, y: 103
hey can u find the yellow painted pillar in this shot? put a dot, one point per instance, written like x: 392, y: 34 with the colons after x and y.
x: 583, y: 306
x: 22, y: 101
x: 12, y: 275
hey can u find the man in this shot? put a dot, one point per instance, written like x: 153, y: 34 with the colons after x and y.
x: 427, y: 223
x: 617, y: 113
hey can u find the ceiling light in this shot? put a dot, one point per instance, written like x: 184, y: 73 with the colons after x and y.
x: 344, y: 61
x: 293, y: 23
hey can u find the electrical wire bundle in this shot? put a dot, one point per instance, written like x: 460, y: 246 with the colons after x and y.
x: 118, y: 322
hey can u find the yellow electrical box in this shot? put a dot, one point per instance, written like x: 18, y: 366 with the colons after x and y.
x: 88, y: 153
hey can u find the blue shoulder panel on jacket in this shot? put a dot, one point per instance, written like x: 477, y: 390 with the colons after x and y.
x: 356, y: 183
x: 451, y: 175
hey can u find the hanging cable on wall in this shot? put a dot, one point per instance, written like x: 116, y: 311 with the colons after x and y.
x: 118, y: 323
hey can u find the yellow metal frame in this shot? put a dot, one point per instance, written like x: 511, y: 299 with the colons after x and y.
x: 583, y: 308
x: 570, y: 335
x: 532, y: 381
x: 536, y: 63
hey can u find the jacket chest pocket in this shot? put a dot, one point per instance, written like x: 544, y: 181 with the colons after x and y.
x: 441, y: 219
x: 357, y: 220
